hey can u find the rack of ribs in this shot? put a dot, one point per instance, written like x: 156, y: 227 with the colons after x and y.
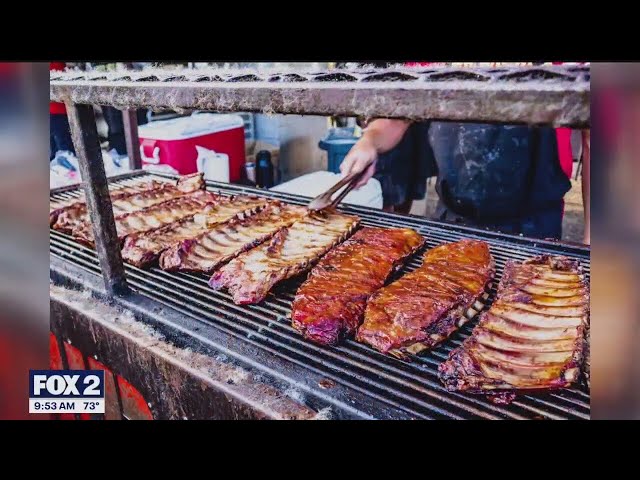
x: 56, y: 207
x: 427, y: 305
x: 144, y: 248
x: 532, y: 337
x: 74, y: 216
x: 152, y: 217
x: 209, y: 250
x: 293, y: 250
x: 331, y: 303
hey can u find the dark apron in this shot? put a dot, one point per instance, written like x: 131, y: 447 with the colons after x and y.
x: 505, y: 178
x: 403, y: 171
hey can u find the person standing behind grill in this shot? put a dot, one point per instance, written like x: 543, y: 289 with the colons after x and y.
x: 59, y: 130
x: 115, y: 124
x: 404, y: 169
x: 502, y: 177
x: 113, y: 117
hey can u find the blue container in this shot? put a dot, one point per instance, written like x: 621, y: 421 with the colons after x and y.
x: 337, y: 144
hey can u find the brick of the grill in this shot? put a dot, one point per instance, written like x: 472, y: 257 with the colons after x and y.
x: 410, y: 387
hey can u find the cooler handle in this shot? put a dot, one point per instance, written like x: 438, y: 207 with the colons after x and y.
x: 149, y: 152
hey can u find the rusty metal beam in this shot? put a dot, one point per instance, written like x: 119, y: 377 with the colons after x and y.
x: 85, y: 140
x: 130, y: 121
x: 528, y: 102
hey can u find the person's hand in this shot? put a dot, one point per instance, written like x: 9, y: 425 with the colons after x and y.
x: 363, y: 156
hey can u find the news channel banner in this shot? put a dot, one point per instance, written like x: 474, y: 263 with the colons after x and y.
x: 66, y: 391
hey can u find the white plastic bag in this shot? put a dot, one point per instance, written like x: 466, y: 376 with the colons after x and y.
x: 160, y: 168
x: 63, y: 170
x: 214, y: 165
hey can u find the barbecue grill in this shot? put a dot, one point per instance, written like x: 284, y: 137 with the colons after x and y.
x: 367, y: 384
x: 347, y: 381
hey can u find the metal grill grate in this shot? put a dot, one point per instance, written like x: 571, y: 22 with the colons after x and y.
x: 409, y: 387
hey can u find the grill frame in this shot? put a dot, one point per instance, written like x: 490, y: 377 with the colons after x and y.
x: 535, y: 95
x: 367, y: 383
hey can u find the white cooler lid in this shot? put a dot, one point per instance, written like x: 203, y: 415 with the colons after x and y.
x: 313, y: 184
x: 197, y: 125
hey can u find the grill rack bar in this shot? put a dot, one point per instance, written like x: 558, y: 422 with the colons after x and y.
x: 557, y: 96
x: 412, y: 388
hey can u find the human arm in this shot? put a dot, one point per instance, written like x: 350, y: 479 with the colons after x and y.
x: 380, y: 136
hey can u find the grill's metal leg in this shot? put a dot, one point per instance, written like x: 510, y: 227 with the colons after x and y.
x: 578, y: 168
x: 85, y: 140
x: 130, y: 120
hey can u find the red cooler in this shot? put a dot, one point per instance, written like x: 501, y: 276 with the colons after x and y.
x: 173, y: 142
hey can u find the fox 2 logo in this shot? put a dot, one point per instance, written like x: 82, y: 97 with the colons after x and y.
x: 66, y: 384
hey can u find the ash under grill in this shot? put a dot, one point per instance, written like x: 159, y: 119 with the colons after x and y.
x: 368, y: 383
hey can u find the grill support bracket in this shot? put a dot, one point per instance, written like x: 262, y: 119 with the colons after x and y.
x: 130, y: 122
x: 85, y: 140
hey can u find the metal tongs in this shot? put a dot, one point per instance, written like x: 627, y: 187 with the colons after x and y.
x: 324, y: 200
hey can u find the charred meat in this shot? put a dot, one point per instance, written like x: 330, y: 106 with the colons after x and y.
x: 209, y: 250
x: 145, y: 248
x: 532, y: 337
x: 331, y: 303
x: 56, y: 207
x: 291, y: 251
x: 73, y: 217
x: 427, y: 305
x: 153, y: 217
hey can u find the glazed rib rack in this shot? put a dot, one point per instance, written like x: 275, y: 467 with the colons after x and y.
x: 364, y: 383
